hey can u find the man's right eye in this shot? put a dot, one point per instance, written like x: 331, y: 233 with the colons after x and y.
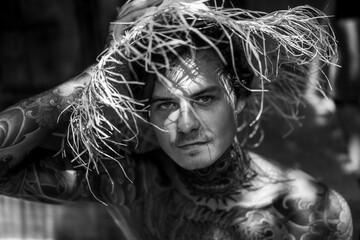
x: 166, y: 106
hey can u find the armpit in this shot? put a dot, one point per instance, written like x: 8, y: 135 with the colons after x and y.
x: 43, y: 177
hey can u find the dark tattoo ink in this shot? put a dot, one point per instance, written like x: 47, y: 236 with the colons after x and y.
x: 162, y: 211
x: 221, y: 180
x: 26, y: 124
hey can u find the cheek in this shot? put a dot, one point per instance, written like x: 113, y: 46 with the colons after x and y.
x: 169, y: 121
x: 165, y: 126
x: 223, y: 124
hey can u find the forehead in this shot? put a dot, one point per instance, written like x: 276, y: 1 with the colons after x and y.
x: 191, y: 74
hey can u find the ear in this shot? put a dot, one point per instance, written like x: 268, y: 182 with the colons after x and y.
x: 239, y: 105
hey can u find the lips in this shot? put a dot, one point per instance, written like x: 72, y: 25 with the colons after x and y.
x: 191, y: 140
x: 191, y: 144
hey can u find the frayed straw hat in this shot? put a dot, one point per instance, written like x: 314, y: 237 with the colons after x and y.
x: 279, y: 48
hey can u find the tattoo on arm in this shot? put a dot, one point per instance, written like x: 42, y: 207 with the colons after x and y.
x: 26, y: 124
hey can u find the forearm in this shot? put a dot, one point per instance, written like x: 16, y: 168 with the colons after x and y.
x: 25, y: 125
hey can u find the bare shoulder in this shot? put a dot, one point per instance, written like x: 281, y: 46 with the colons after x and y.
x: 310, y: 208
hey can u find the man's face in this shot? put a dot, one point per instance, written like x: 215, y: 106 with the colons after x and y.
x: 195, y: 119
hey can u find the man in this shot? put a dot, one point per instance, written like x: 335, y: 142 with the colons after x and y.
x: 201, y: 183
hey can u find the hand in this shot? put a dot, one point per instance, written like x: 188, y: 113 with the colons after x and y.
x: 131, y: 11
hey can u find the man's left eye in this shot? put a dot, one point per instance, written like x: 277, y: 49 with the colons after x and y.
x: 204, y: 100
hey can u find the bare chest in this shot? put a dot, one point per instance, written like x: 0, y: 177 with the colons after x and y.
x: 174, y: 217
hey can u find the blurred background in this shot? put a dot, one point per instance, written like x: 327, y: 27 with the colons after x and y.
x: 45, y: 42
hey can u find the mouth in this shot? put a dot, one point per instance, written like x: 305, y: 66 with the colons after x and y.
x: 192, y: 144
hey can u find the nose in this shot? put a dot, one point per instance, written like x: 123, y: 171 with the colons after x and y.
x: 187, y: 121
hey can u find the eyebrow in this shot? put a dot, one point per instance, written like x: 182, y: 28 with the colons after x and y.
x: 208, y: 90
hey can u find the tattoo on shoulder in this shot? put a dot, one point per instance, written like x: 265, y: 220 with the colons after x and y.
x: 339, y: 213
x: 325, y: 214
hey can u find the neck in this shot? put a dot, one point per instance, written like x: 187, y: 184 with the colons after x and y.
x: 224, y: 179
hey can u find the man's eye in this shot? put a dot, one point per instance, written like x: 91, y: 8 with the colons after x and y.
x: 167, y: 106
x: 204, y: 100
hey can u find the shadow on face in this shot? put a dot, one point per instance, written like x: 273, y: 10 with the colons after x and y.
x: 195, y: 114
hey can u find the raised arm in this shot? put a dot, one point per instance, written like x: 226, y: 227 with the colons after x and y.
x: 26, y: 171
x: 30, y: 122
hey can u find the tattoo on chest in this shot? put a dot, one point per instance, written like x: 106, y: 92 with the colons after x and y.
x: 174, y: 216
x: 164, y: 212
